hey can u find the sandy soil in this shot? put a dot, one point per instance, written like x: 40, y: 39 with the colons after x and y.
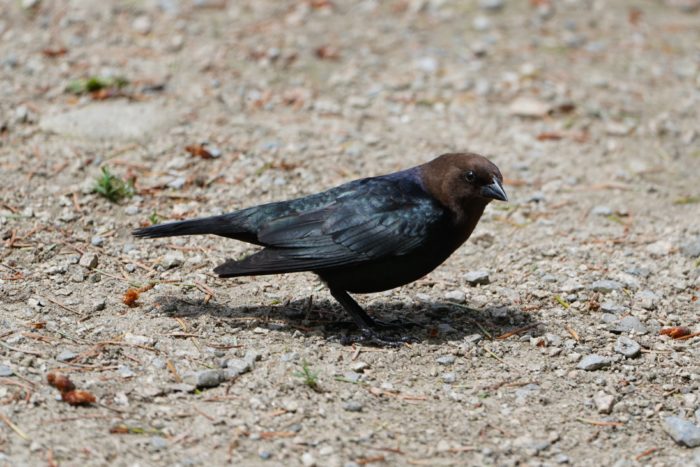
x: 589, y: 108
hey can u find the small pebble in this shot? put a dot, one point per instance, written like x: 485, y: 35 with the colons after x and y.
x: 446, y: 359
x: 173, y: 260
x: 88, y: 260
x: 683, y: 432
x: 602, y: 211
x: 456, y: 296
x: 66, y: 356
x: 593, y: 362
x: 627, y: 347
x: 204, y: 378
x: 606, y: 286
x: 237, y: 366
x: 492, y: 5
x: 604, y: 402
x: 142, y: 24
x: 359, y: 367
x: 158, y: 443
x: 308, y: 460
x: 477, y: 277
x: 352, y: 406
x: 629, y: 324
x: 449, y: 378
x: 6, y: 371
x: 97, y: 241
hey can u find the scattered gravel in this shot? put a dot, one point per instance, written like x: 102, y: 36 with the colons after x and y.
x: 595, y: 252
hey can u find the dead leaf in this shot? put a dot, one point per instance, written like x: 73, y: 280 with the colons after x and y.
x: 60, y: 381
x: 328, y: 52
x: 130, y: 297
x: 675, y: 332
x: 78, y: 397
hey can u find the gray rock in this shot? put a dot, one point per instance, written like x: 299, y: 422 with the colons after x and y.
x: 455, y: 296
x: 449, y: 378
x: 158, y: 443
x: 611, y: 307
x: 571, y: 286
x: 605, y: 286
x: 99, y: 304
x: 481, y: 23
x: 492, y: 5
x: 251, y: 357
x: 352, y: 406
x: 308, y: 460
x: 117, y: 120
x: 627, y: 347
x: 691, y: 248
x: 647, y: 299
x: 142, y: 24
x: 66, y: 356
x: 289, y: 357
x: 135, y: 339
x: 359, y: 367
x: 204, y: 378
x: 446, y: 359
x: 88, y: 260
x: 444, y: 328
x: 173, y: 260
x: 604, y: 402
x: 629, y: 324
x: 352, y: 376
x: 593, y: 362
x: 125, y: 371
x: 601, y: 211
x: 97, y: 241
x: 236, y: 367
x: 683, y: 431
x: 477, y: 277
x: 6, y: 371
x: 660, y: 249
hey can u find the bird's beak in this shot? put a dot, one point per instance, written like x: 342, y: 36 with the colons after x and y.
x: 494, y: 191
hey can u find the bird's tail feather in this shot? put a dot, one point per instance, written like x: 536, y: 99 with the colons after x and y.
x: 224, y: 226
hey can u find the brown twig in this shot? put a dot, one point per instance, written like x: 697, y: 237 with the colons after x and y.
x: 517, y: 331
x: 14, y: 427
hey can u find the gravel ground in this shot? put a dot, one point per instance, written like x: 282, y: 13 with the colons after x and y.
x: 539, y: 342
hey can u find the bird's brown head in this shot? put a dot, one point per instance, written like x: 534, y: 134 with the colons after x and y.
x: 461, y: 181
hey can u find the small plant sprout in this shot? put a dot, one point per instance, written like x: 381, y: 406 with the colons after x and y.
x: 154, y: 218
x: 308, y: 376
x: 112, y: 187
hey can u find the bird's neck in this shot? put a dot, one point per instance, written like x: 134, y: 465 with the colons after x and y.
x: 465, y: 219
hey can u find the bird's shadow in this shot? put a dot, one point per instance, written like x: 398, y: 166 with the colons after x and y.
x: 429, y: 322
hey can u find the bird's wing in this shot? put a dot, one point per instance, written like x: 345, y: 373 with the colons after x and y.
x: 378, y: 221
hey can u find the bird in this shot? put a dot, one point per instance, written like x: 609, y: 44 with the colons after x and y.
x: 364, y: 236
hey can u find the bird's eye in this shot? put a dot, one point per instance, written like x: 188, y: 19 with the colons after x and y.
x: 470, y: 176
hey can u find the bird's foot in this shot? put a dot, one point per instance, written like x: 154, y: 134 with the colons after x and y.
x: 371, y: 337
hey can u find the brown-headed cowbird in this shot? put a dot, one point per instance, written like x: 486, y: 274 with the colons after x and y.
x: 365, y: 236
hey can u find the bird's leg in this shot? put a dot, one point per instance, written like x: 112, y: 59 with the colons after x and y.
x: 363, y: 320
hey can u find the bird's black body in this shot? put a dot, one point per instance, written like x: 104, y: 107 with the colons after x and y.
x: 365, y: 236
